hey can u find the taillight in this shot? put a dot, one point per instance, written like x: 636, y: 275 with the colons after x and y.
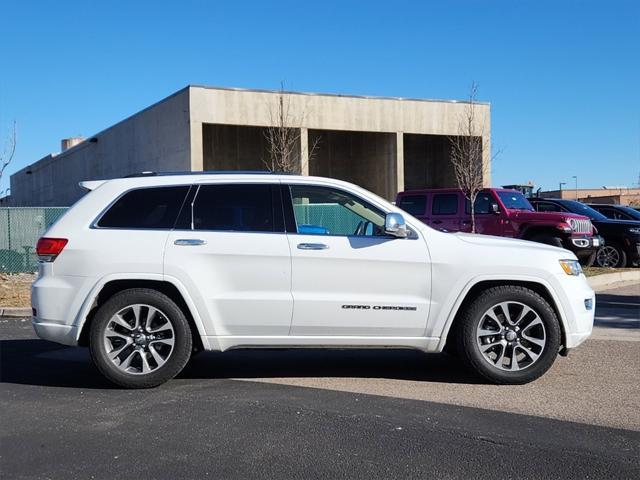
x: 49, y: 248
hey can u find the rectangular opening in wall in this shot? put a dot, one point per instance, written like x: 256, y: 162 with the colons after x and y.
x: 367, y: 159
x: 236, y: 147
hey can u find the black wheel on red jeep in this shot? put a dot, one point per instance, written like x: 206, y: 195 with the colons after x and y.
x: 547, y: 238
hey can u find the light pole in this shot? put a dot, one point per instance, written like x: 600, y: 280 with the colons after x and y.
x: 575, y: 177
x: 561, y: 184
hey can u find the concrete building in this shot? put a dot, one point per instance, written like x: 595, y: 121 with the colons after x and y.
x: 608, y: 195
x: 383, y: 144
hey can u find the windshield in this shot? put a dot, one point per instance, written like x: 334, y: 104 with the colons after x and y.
x: 514, y: 201
x: 582, y: 209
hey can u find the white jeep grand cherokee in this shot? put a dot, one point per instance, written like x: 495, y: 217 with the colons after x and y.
x: 147, y: 270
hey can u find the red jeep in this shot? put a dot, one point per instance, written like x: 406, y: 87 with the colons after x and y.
x: 505, y: 213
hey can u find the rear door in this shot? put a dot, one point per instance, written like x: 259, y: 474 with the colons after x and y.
x: 231, y: 253
x: 445, y: 211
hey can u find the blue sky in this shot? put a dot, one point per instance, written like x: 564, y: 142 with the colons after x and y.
x: 563, y: 77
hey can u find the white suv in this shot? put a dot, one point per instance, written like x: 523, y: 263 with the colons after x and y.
x: 147, y: 270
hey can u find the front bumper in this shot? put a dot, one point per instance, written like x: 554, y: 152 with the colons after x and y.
x: 583, y: 246
x: 578, y: 302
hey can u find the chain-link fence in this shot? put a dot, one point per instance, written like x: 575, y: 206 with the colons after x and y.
x: 336, y: 219
x: 20, y: 229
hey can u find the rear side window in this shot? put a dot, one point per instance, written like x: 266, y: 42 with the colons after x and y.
x: 153, y: 208
x: 413, y: 204
x: 445, y: 204
x: 237, y: 207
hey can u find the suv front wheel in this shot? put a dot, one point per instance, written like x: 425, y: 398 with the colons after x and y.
x: 140, y: 338
x: 509, y: 335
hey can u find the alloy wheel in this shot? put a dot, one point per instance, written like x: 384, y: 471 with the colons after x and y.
x: 607, y: 256
x: 139, y: 339
x: 511, y: 336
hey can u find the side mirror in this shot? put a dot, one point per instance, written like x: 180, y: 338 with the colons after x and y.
x: 495, y: 209
x: 394, y: 225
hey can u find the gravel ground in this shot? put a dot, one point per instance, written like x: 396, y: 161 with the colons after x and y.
x: 15, y: 289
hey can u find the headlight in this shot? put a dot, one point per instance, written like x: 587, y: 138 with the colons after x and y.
x: 573, y: 224
x: 566, y: 227
x: 635, y: 230
x: 571, y: 267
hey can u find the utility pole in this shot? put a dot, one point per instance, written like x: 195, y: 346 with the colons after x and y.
x: 575, y: 177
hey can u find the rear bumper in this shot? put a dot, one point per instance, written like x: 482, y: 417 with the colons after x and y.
x: 56, y: 301
x: 64, y: 334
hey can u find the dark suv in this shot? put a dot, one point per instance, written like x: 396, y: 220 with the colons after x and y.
x: 502, y: 212
x: 622, y: 237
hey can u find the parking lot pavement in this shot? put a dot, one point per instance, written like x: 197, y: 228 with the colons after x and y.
x: 372, y: 413
x: 60, y: 419
x: 618, y: 312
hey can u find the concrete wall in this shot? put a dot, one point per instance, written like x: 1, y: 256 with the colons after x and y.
x: 198, y: 128
x: 333, y: 113
x: 156, y: 139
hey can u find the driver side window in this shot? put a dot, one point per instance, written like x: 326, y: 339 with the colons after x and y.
x: 328, y: 211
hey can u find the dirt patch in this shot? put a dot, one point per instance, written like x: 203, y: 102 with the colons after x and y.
x: 15, y: 289
x: 593, y: 271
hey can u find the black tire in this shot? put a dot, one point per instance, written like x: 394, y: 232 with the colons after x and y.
x: 589, y: 260
x: 547, y: 239
x: 176, y: 359
x: 609, y: 251
x: 472, y: 316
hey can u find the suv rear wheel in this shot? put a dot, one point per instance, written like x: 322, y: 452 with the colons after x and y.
x: 140, y: 338
x: 509, y: 335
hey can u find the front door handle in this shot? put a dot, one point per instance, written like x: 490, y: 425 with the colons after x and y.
x: 189, y: 242
x: 436, y: 222
x: 312, y: 246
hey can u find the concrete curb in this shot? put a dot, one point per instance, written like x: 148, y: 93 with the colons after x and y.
x: 609, y: 280
x: 15, y: 312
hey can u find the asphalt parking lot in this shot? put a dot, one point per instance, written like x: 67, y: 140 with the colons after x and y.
x: 325, y: 414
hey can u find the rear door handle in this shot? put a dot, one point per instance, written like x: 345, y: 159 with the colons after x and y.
x: 312, y: 246
x: 189, y: 242
x: 437, y: 221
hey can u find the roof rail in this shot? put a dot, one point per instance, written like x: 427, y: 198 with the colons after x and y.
x: 208, y: 172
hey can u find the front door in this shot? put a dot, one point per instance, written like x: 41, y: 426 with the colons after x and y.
x: 348, y: 277
x: 488, y: 221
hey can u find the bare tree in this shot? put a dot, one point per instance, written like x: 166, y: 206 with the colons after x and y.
x: 466, y: 155
x: 9, y: 150
x: 283, y: 136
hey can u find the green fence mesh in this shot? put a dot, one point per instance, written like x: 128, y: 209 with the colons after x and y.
x: 338, y: 220
x: 20, y: 229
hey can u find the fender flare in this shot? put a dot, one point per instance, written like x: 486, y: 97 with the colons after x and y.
x: 89, y: 301
x: 453, y: 312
